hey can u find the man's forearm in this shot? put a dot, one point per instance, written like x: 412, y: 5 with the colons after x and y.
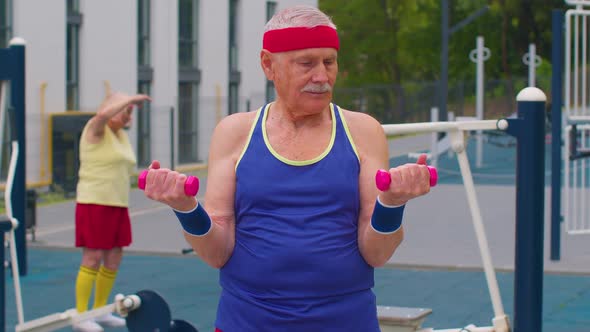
x: 377, y: 248
x: 215, y: 246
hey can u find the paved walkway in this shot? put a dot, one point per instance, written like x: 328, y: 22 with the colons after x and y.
x: 441, y: 235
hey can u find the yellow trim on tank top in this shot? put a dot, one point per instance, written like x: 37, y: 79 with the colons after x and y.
x: 249, y: 136
x: 348, y: 134
x: 300, y: 162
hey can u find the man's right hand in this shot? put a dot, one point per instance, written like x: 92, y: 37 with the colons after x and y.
x: 407, y: 181
x: 167, y: 186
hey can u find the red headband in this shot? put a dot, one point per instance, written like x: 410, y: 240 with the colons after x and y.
x: 290, y: 39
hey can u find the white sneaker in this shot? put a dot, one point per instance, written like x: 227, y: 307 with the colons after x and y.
x: 87, y: 326
x: 109, y: 320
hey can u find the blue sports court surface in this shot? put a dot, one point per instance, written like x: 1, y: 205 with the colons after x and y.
x: 190, y: 287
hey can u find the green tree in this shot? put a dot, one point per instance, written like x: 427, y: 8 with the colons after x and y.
x: 381, y: 41
x: 392, y: 41
x: 381, y: 45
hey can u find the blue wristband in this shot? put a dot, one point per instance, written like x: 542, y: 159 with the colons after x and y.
x: 385, y: 219
x: 195, y: 222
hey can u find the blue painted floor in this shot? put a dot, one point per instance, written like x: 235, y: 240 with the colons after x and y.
x: 457, y: 298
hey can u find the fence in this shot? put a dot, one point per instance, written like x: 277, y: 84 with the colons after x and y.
x: 411, y: 101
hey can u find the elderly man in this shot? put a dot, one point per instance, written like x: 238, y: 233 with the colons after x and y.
x: 292, y: 218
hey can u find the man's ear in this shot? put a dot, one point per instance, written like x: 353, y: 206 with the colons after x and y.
x: 266, y: 64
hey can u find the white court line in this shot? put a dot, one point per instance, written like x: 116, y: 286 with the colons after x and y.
x: 132, y: 214
x: 148, y: 210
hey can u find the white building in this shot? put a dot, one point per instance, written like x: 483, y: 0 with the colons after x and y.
x: 197, y: 59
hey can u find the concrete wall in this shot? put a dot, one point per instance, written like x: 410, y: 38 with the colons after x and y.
x: 108, y: 49
x: 42, y: 24
x: 108, y: 59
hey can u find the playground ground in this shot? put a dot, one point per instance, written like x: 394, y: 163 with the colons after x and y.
x: 438, y: 266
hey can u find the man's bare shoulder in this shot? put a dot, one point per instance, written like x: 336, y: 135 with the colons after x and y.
x: 362, y: 124
x: 238, y: 122
x: 367, y: 134
x: 234, y: 129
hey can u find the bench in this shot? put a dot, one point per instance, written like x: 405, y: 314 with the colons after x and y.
x: 401, y: 319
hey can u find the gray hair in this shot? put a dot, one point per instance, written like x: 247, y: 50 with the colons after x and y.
x: 298, y: 16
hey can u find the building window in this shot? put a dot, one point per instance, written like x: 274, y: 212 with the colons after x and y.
x: 143, y: 127
x: 187, y: 122
x: 143, y: 32
x: 5, y: 35
x: 189, y: 77
x: 269, y: 89
x: 7, y: 134
x: 144, y: 81
x: 271, y: 9
x: 5, y: 22
x: 234, y: 72
x: 188, y: 14
x: 74, y: 21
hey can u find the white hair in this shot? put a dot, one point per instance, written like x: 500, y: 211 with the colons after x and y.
x: 298, y: 16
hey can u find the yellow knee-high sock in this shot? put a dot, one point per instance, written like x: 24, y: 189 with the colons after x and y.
x: 104, y: 284
x: 84, y: 284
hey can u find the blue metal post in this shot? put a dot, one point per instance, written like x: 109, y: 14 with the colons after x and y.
x: 12, y: 68
x: 556, y: 104
x: 5, y: 226
x: 19, y: 186
x: 529, y: 129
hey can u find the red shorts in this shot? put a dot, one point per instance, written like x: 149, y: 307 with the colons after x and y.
x: 102, y: 227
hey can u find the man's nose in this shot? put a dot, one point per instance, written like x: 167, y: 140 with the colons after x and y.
x: 320, y: 75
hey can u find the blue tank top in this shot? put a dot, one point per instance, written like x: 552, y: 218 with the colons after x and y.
x: 296, y: 264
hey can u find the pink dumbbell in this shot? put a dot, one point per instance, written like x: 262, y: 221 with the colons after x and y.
x: 191, y: 185
x: 383, y: 178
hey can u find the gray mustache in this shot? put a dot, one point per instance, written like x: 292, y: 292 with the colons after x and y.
x: 315, y: 88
